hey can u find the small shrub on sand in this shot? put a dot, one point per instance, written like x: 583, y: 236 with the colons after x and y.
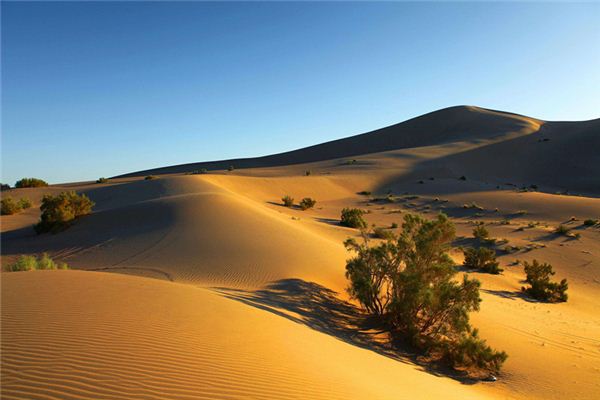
x: 541, y: 288
x: 382, y: 233
x: 307, y: 203
x: 365, y: 193
x: 58, y: 212
x: 562, y: 230
x: 149, y: 177
x: 30, y: 182
x: 8, y: 206
x: 102, y: 180
x: 352, y: 218
x: 480, y: 233
x: 31, y: 263
x: 287, y: 201
x: 24, y: 203
x: 481, y: 259
x: 394, y: 225
x: 307, y: 172
x: 590, y: 222
x: 409, y: 284
x: 230, y: 168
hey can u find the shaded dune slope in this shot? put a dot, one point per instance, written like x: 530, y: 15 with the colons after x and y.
x: 189, y: 230
x: 443, y: 126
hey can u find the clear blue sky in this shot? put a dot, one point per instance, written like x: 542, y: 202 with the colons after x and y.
x: 98, y: 89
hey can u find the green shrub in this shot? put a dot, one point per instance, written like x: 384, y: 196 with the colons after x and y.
x: 25, y: 203
x: 562, y: 230
x: 58, y: 212
x: 541, y: 288
x: 102, y: 180
x: 307, y: 203
x: 31, y: 263
x: 481, y: 259
x: 409, y: 285
x: 470, y: 352
x: 8, y: 206
x: 480, y: 233
x: 287, y: 201
x: 590, y: 222
x: 382, y: 233
x: 149, y: 177
x: 394, y: 225
x: 352, y: 218
x: 30, y: 182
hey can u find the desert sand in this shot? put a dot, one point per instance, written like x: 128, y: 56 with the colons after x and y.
x: 205, y: 286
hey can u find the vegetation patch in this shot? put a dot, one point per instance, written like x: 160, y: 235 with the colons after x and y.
x: 9, y: 206
x: 59, y: 212
x: 30, y: 182
x: 481, y: 259
x: 352, y: 218
x: 409, y: 285
x: 102, y: 180
x: 32, y: 263
x: 307, y: 203
x: 287, y: 201
x: 541, y: 288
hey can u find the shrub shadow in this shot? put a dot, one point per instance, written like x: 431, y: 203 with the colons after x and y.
x: 319, y: 308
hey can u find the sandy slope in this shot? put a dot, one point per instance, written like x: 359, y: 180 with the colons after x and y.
x: 120, y: 337
x: 228, y: 233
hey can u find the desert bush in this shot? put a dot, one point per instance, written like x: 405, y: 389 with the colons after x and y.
x: 590, y: 222
x: 230, y: 168
x: 541, y: 288
x: 8, y: 206
x: 307, y: 172
x: 149, y: 177
x: 30, y: 182
x: 102, y: 180
x: 24, y: 203
x: 480, y: 233
x: 287, y: 201
x: 394, y: 225
x: 409, y: 284
x: 562, y: 230
x: 352, y: 218
x: 4, y: 186
x: 481, y: 259
x: 365, y: 193
x: 58, y: 212
x: 31, y: 263
x: 382, y: 233
x: 307, y: 203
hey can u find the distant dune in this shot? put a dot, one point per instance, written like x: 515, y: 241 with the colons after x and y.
x: 510, y: 147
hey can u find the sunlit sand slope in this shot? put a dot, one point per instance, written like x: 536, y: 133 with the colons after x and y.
x: 86, y: 335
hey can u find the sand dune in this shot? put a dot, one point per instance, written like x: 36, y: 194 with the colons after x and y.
x: 119, y: 337
x: 227, y: 328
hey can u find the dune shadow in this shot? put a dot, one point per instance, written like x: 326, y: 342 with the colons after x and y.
x: 319, y: 308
